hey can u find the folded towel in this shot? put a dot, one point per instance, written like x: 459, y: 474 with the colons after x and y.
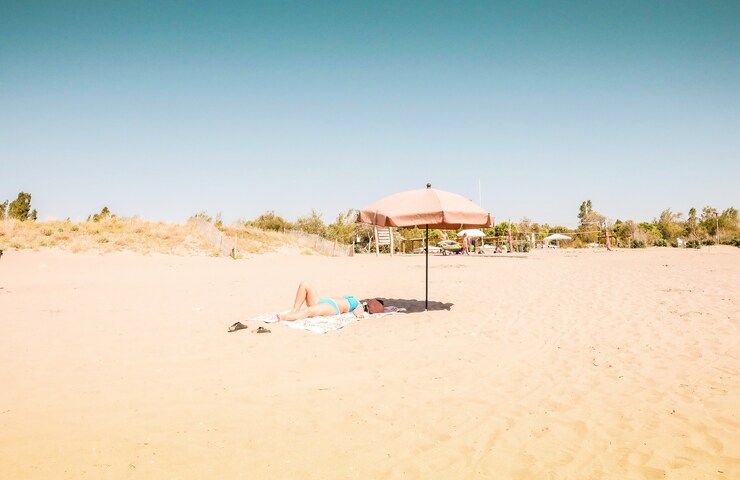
x: 324, y: 324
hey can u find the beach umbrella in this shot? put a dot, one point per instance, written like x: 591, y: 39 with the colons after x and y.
x: 472, y: 233
x: 427, y: 207
x: 557, y: 236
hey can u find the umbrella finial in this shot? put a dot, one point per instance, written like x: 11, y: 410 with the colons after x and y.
x: 429, y: 185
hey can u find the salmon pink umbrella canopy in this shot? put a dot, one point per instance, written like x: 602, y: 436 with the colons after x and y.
x: 425, y: 207
x: 429, y: 208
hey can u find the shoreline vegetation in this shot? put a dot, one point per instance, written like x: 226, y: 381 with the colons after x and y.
x: 270, y: 233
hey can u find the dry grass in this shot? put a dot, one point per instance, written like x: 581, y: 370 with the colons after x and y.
x: 134, y: 234
x: 107, y: 235
x: 254, y: 240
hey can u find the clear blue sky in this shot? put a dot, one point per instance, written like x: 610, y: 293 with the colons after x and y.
x: 164, y: 109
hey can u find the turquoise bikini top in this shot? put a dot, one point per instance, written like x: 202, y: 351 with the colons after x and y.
x: 353, y: 303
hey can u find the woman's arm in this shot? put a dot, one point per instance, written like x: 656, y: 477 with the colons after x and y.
x: 359, y: 312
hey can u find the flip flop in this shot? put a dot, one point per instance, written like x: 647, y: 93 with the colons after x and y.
x: 237, y: 326
x: 261, y: 330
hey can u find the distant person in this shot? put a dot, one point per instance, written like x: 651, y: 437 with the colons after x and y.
x: 316, y: 306
x: 444, y: 236
x: 466, y: 244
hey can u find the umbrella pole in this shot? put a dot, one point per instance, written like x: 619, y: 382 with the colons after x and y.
x: 426, y: 291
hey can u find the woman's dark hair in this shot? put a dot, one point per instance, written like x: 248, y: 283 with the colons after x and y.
x: 374, y: 305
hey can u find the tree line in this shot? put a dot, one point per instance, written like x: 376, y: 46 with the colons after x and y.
x: 670, y: 228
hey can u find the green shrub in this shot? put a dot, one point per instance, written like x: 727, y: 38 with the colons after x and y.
x: 311, y: 223
x: 660, y: 243
x: 735, y: 241
x: 693, y: 244
x: 344, y: 229
x: 202, y: 216
x: 707, y: 241
x: 638, y: 244
x: 270, y: 221
x: 104, y: 213
x: 650, y: 230
x: 20, y: 208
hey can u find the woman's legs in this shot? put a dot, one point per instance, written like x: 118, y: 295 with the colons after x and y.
x: 318, y: 310
x: 305, y: 294
x: 308, y: 295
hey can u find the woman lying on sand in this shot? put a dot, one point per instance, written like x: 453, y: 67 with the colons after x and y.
x: 326, y: 307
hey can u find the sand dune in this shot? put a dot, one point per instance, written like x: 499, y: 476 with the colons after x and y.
x: 553, y: 364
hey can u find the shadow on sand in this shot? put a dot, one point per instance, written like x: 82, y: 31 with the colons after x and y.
x: 413, y: 306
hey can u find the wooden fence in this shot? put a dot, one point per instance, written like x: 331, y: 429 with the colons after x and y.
x: 321, y: 245
x: 227, y: 246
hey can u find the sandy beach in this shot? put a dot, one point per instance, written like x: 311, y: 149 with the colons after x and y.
x: 556, y: 364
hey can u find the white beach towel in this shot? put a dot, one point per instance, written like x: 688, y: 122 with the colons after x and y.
x: 324, y: 324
